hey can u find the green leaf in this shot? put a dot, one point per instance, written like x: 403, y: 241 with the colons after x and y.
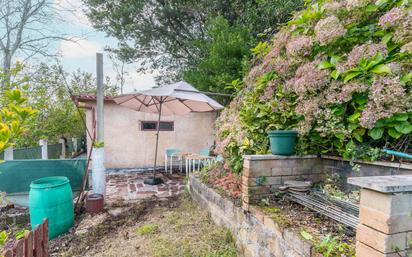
x: 404, y: 127
x: 406, y: 78
x: 360, y: 99
x: 334, y: 74
x: 306, y: 235
x: 352, y: 126
x: 338, y: 110
x: 381, y: 68
x: 401, y: 117
x: 334, y: 60
x: 385, y: 40
x: 371, y: 8
x: 393, y: 133
x: 381, y: 2
x: 354, y: 117
x: 340, y: 135
x: 351, y: 75
x: 376, y: 133
x: 324, y: 65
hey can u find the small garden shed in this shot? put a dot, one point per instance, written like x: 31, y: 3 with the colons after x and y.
x: 129, y: 136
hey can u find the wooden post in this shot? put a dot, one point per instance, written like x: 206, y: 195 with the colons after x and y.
x: 28, y: 244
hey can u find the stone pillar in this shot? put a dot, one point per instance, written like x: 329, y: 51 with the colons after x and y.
x: 9, y: 154
x: 63, y: 143
x: 385, y: 216
x: 44, y: 151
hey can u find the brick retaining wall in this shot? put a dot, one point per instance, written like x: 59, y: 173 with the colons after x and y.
x: 256, y: 234
x: 263, y: 174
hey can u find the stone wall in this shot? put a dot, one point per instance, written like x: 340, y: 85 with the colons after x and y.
x: 256, y: 234
x: 263, y: 174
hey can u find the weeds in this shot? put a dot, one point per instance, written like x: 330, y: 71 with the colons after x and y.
x: 147, y: 229
x: 334, y: 247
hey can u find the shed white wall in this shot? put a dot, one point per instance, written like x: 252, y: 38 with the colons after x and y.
x: 126, y: 146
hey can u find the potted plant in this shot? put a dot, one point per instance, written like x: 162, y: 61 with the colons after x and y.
x: 282, y: 142
x: 282, y: 135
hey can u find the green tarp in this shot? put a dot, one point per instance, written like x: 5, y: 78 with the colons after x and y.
x: 16, y: 176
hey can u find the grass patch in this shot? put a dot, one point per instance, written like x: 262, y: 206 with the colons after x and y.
x: 147, y: 229
x: 188, y: 231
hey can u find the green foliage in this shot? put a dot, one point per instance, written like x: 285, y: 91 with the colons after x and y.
x: 3, y: 237
x: 15, y: 111
x: 260, y: 50
x: 306, y: 235
x: 21, y: 233
x: 147, y: 229
x: 334, y: 247
x: 57, y: 116
x: 98, y: 144
x: 225, y: 53
x: 338, y: 73
x: 204, y: 42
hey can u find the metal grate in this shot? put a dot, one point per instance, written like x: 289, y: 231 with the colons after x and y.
x: 343, y: 212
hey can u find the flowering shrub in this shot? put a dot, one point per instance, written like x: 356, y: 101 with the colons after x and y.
x: 223, y: 179
x: 339, y: 73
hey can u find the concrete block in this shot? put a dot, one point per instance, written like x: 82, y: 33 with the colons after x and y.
x: 363, y: 250
x: 380, y: 241
x: 384, y: 222
x: 392, y: 204
x: 280, y: 171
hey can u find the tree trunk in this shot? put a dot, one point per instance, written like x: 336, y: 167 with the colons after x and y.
x: 6, y: 70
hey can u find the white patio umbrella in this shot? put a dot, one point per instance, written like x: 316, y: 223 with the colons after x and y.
x: 178, y: 98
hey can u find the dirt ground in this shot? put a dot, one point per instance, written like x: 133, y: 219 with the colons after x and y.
x: 176, y: 227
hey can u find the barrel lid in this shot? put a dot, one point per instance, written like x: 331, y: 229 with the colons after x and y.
x: 49, y: 182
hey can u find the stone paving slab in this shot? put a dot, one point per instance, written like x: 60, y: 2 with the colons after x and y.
x: 384, y: 184
x: 130, y: 187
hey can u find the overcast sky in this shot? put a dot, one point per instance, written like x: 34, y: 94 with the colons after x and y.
x: 82, y: 54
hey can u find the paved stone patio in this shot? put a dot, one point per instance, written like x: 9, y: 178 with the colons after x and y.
x: 130, y: 187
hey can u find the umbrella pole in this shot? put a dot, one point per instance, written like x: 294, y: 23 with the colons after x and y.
x: 154, y: 180
x: 157, y: 139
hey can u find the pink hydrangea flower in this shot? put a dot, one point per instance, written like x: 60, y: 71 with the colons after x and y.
x: 407, y: 48
x: 365, y: 51
x: 391, y: 17
x: 351, y: 4
x: 308, y: 78
x: 329, y: 29
x: 299, y: 46
x: 384, y: 100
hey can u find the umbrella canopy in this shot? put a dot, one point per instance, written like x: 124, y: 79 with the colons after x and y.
x: 178, y: 98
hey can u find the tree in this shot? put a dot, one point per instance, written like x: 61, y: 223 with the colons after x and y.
x: 227, y: 50
x: 119, y: 66
x: 57, y: 115
x: 25, y: 28
x: 15, y: 111
x: 170, y: 35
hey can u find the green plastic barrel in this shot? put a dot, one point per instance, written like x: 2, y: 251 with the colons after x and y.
x: 282, y: 142
x: 52, y: 198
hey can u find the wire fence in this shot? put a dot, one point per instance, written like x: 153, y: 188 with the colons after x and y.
x: 54, y: 151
